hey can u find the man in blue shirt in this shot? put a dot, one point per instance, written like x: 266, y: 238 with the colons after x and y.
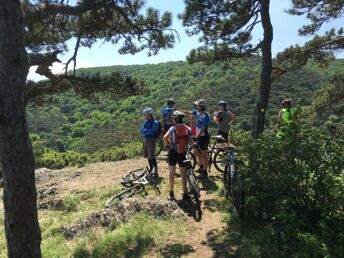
x: 150, y: 131
x: 202, y: 135
x: 167, y: 114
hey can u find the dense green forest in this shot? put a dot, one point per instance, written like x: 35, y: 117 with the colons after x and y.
x: 68, y: 122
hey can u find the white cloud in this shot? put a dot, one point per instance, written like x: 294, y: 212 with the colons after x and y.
x: 58, y: 68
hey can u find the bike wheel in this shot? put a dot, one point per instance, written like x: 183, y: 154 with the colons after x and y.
x: 118, y: 197
x: 237, y: 195
x: 159, y: 146
x: 194, y: 187
x: 220, y: 160
x: 127, y: 180
x: 226, y: 181
x: 191, y: 156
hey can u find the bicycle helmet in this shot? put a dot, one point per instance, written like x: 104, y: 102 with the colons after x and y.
x: 201, y: 103
x: 285, y: 102
x: 170, y: 102
x: 148, y: 111
x: 222, y: 103
x: 178, y: 114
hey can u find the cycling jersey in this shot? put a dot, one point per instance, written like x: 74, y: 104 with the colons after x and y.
x: 173, y: 132
x: 201, y: 121
x: 167, y: 117
x: 223, y: 121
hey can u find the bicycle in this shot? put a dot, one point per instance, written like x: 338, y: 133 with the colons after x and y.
x: 216, y: 155
x: 194, y: 189
x: 233, y: 185
x: 144, y: 178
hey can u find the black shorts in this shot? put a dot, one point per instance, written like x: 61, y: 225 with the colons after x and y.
x: 203, y: 142
x: 224, y: 135
x: 175, y: 157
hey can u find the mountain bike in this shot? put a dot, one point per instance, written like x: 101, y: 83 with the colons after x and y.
x: 217, y: 155
x: 143, y: 178
x: 233, y: 185
x: 194, y: 189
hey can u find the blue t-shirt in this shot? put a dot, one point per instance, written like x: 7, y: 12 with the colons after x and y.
x: 201, y: 121
x: 166, y: 115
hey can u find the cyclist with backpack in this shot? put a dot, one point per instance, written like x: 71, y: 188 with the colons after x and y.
x: 202, y: 135
x: 167, y: 114
x: 223, y: 118
x: 150, y: 130
x: 177, y: 139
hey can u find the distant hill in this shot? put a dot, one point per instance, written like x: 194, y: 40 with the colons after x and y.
x: 69, y: 122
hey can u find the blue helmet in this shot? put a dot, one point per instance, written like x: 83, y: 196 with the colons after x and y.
x: 148, y: 111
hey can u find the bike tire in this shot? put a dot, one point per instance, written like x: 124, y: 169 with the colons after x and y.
x: 118, y: 197
x: 159, y: 146
x: 220, y: 158
x: 226, y: 181
x: 237, y: 195
x: 194, y: 188
x: 191, y: 156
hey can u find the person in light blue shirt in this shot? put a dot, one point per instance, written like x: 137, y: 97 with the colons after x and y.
x: 167, y: 114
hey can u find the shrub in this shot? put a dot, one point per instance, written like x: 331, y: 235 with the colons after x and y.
x: 295, y: 185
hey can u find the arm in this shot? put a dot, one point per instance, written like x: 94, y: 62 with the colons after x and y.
x: 216, y: 117
x: 233, y: 118
x: 167, y: 138
x: 278, y: 120
x: 185, y: 111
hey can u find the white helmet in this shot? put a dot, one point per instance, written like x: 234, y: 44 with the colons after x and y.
x: 148, y: 111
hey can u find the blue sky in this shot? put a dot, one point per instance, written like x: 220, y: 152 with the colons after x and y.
x: 285, y: 34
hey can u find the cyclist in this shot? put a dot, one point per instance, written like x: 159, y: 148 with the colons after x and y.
x: 177, y: 138
x: 167, y: 114
x: 285, y: 121
x: 222, y: 118
x: 150, y: 131
x: 202, y: 134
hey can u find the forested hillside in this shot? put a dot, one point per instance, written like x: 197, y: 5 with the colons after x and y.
x: 68, y: 122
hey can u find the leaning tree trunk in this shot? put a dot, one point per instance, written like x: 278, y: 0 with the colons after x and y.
x: 265, y: 78
x: 21, y: 219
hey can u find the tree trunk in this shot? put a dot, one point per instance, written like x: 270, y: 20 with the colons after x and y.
x: 265, y: 78
x: 21, y: 219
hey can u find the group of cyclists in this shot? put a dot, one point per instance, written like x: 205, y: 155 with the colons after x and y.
x: 178, y: 136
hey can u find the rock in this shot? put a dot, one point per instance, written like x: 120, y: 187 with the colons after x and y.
x: 42, y: 174
x: 157, y: 207
x: 51, y: 204
x: 47, y: 191
x: 75, y: 174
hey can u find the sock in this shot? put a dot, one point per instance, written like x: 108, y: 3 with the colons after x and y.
x: 151, y: 165
x: 155, y: 164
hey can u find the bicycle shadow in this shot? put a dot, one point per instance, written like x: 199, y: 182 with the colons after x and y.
x: 191, y: 209
x: 208, y: 184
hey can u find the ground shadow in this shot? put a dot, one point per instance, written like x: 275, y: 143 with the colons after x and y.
x: 191, y: 209
x: 214, y: 205
x: 176, y: 250
x: 208, y: 184
x: 227, y: 242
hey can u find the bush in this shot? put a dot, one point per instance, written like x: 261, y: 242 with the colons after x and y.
x: 70, y: 203
x: 295, y: 185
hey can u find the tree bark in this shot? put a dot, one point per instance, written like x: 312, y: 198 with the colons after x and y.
x: 265, y: 78
x: 21, y: 219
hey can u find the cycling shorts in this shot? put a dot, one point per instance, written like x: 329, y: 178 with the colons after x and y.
x: 224, y: 135
x: 175, y: 157
x: 203, y: 142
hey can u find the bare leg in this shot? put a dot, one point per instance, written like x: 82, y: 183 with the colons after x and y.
x: 172, y: 170
x: 205, y: 159
x: 184, y: 183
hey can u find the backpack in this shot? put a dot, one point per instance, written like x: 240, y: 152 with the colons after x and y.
x: 167, y: 116
x: 159, y: 128
x: 182, y: 134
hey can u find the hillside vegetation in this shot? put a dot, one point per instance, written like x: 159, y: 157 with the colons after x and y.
x: 68, y: 122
